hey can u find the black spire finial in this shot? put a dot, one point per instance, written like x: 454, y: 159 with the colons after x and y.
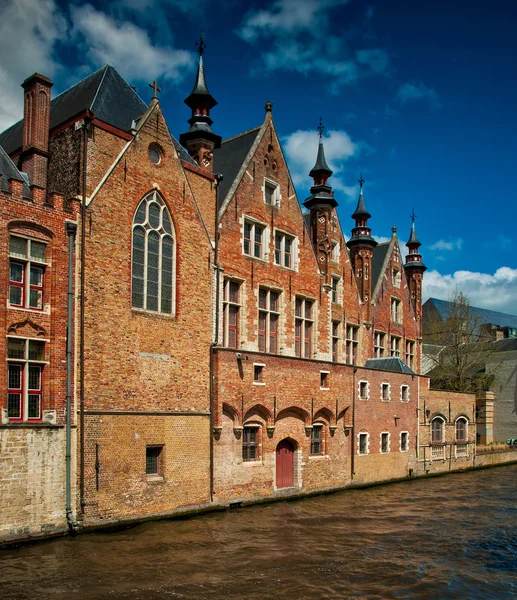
x: 361, y: 181
x: 201, y: 44
x: 154, y: 86
x: 321, y: 128
x: 268, y: 106
x: 413, y: 216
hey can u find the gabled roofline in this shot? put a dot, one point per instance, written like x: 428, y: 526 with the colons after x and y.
x: 378, y: 285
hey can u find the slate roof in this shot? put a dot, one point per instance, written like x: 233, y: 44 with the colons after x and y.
x: 228, y: 159
x: 104, y: 92
x: 485, y: 316
x: 379, y: 256
x: 8, y: 171
x: 392, y: 363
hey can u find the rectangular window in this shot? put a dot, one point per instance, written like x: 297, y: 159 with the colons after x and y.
x: 352, y: 344
x: 284, y: 250
x: 395, y: 345
x: 254, y: 239
x: 335, y: 341
x: 324, y: 380
x: 153, y: 460
x: 396, y: 310
x: 395, y: 275
x: 26, y: 360
x: 26, y: 272
x: 317, y: 440
x: 303, y: 328
x: 271, y: 193
x: 379, y: 347
x: 404, y: 445
x: 385, y: 442
x: 334, y: 255
x: 410, y: 354
x: 250, y: 444
x: 363, y: 390
x: 363, y: 443
x: 258, y: 373
x: 231, y: 309
x: 404, y: 393
x: 335, y: 290
x: 268, y: 321
x: 385, y: 392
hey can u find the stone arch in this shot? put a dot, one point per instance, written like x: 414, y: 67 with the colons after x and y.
x: 259, y: 410
x: 232, y: 413
x: 295, y: 412
x: 324, y: 414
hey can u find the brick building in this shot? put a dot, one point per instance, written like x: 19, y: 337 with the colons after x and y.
x: 273, y: 358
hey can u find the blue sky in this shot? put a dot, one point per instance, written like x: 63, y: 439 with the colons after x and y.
x: 419, y: 96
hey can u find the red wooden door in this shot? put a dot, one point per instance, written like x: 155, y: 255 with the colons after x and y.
x: 284, y: 464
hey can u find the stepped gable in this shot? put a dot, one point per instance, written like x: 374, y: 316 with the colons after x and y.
x: 230, y: 157
x: 8, y: 171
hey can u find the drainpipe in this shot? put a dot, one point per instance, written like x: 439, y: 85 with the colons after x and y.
x: 352, y: 441
x: 218, y: 179
x: 82, y: 303
x: 71, y: 230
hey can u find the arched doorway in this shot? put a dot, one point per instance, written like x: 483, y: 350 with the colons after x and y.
x: 284, y: 464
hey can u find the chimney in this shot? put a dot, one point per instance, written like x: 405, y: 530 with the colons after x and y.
x: 36, y: 125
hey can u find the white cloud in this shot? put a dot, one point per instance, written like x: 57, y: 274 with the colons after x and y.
x: 301, y: 148
x: 447, y: 245
x: 127, y: 47
x: 495, y: 292
x: 28, y: 31
x: 299, y: 38
x: 413, y: 92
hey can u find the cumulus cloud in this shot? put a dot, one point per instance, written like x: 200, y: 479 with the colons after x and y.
x: 127, y: 47
x: 495, y: 292
x: 301, y: 148
x: 29, y: 30
x: 447, y: 245
x: 299, y: 37
x: 414, y: 92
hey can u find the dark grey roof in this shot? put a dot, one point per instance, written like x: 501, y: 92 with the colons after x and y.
x: 228, y: 159
x: 413, y: 240
x: 8, y: 171
x: 361, y: 211
x: 484, y: 316
x: 200, y: 89
x: 182, y: 153
x: 389, y: 364
x: 104, y: 92
x: 379, y: 256
x: 321, y: 163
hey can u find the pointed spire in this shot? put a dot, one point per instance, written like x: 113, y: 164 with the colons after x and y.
x: 360, y: 211
x: 414, y: 258
x: 200, y: 91
x: 413, y: 239
x: 321, y: 171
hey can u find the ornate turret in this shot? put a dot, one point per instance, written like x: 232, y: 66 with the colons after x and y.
x: 361, y: 246
x: 414, y: 268
x: 200, y: 140
x: 321, y: 204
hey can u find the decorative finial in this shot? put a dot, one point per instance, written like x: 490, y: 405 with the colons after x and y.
x: 361, y: 181
x: 201, y: 44
x: 155, y: 88
x: 321, y: 128
x: 268, y: 106
x: 393, y: 229
x: 413, y: 216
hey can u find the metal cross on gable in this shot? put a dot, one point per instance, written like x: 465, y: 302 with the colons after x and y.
x: 413, y: 216
x: 201, y: 44
x: 155, y: 88
x: 321, y: 128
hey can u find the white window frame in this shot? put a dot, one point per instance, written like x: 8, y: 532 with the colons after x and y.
x: 276, y: 197
x: 327, y: 377
x: 271, y: 316
x: 367, y: 397
x: 336, y: 289
x: 259, y: 381
x: 385, y: 385
x: 303, y: 322
x: 407, y: 441
x: 389, y: 442
x: 264, y: 243
x: 464, y: 418
x: 410, y: 356
x: 29, y: 261
x: 335, y: 251
x: 396, y: 277
x: 294, y: 249
x: 379, y: 344
x: 351, y: 344
x: 396, y: 310
x: 395, y: 346
x: 403, y: 387
x: 361, y: 433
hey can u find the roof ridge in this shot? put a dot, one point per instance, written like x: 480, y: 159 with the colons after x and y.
x: 99, y: 86
x: 241, y: 134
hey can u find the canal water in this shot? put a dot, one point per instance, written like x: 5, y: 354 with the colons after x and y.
x: 448, y: 537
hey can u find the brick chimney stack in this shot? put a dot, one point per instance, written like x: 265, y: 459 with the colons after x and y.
x: 36, y: 125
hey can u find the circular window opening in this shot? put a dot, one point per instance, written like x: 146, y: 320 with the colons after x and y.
x: 155, y: 154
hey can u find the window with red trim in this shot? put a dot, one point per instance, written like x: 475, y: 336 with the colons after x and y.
x: 231, y: 310
x: 303, y: 328
x: 27, y: 264
x: 26, y: 361
x: 268, y: 321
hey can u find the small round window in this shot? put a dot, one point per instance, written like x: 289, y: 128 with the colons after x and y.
x: 155, y: 154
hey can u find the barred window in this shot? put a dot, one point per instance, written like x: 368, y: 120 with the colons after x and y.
x: 250, y: 442
x: 154, y: 253
x: 317, y: 440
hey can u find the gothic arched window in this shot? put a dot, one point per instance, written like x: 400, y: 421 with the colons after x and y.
x: 153, y: 256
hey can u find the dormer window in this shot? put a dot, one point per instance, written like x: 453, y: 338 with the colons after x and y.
x: 396, y: 277
x: 271, y: 193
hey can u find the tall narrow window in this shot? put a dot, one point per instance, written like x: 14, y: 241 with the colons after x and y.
x: 410, y: 354
x: 395, y: 345
x: 352, y: 344
x: 395, y: 274
x: 303, y: 328
x: 27, y: 264
x: 268, y: 321
x: 153, y: 256
x: 385, y: 442
x: 284, y: 250
x: 379, y: 347
x: 254, y: 239
x: 26, y: 359
x: 396, y: 310
x: 437, y: 430
x: 317, y: 440
x: 271, y: 193
x: 250, y: 441
x: 335, y: 289
x: 334, y: 253
x: 335, y: 341
x: 461, y: 429
x: 231, y: 308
